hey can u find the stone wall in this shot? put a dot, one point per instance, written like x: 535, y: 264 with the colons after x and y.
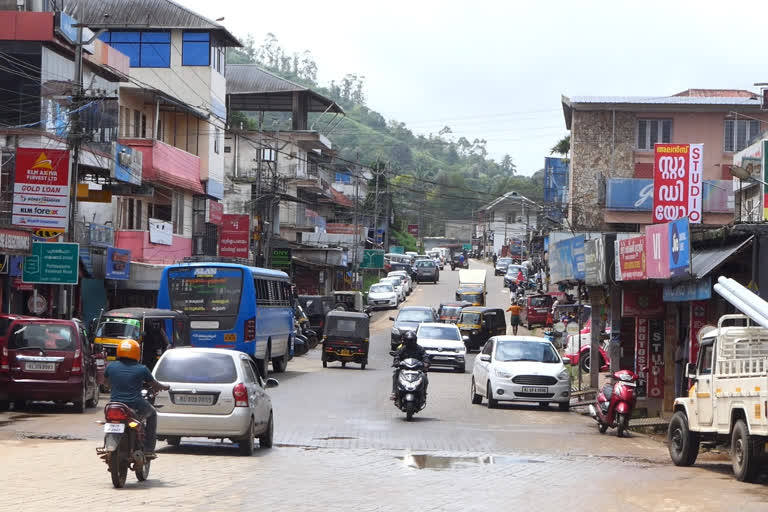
x: 599, y: 147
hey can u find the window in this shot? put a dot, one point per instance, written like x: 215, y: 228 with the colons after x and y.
x: 342, y: 177
x: 131, y: 214
x: 651, y: 131
x: 178, y: 213
x: 143, y: 126
x: 705, y: 359
x: 195, y: 49
x: 740, y: 133
x: 147, y: 49
x: 216, y: 137
x: 136, y: 123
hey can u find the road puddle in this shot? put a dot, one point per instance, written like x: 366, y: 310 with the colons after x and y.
x: 441, y: 462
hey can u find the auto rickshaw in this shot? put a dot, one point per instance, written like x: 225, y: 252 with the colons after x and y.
x: 348, y: 301
x: 346, y: 338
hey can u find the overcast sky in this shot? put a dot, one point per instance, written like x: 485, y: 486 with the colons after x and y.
x: 496, y: 69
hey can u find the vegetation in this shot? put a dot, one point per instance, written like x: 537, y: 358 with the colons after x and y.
x: 432, y: 177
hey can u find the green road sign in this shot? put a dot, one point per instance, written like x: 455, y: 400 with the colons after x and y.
x: 397, y: 249
x: 52, y: 263
x: 373, y: 258
x: 467, y: 247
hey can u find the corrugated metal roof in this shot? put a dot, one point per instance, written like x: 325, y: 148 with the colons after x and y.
x: 250, y: 78
x: 667, y: 100
x: 143, y: 14
x: 705, y: 261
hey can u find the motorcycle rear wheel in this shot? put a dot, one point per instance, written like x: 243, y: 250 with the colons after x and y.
x: 118, y: 469
x: 143, y: 473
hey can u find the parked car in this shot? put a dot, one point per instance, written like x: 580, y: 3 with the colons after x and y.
x: 443, y: 345
x: 427, y: 270
x: 403, y: 266
x: 383, y: 295
x: 510, y: 276
x: 49, y: 360
x: 520, y: 368
x: 408, y: 279
x: 403, y: 282
x: 408, y: 319
x: 397, y: 284
x: 501, y: 266
x: 215, y: 393
x: 581, y: 356
x: 535, y: 310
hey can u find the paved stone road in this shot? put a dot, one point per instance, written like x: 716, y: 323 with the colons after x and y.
x: 343, y: 445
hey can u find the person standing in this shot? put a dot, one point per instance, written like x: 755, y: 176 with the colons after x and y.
x: 494, y: 258
x: 514, y: 317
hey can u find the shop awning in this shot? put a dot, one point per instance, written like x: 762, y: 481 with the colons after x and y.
x: 706, y: 260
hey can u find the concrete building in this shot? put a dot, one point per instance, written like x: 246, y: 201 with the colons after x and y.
x: 507, y: 221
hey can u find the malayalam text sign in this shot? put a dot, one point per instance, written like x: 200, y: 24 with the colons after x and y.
x: 41, y: 189
x: 645, y: 302
x: 655, y: 375
x: 677, y: 182
x: 233, y: 240
x: 657, y: 251
x: 52, y: 263
x: 632, y: 258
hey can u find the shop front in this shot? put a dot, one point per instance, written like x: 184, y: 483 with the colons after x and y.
x: 14, y: 245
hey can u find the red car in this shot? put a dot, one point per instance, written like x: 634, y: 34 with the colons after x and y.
x: 582, y: 357
x: 535, y: 310
x: 43, y: 359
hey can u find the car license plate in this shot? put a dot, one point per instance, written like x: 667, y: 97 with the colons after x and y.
x: 534, y: 390
x: 40, y: 367
x: 185, y: 399
x: 346, y: 352
x: 114, y: 428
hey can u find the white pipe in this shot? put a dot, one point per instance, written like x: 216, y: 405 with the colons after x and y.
x: 745, y: 294
x: 742, y: 306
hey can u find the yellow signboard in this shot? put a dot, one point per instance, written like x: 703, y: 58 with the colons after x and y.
x: 93, y: 196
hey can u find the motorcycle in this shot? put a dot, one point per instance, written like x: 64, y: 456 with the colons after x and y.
x: 614, y: 404
x: 124, y: 433
x: 410, y: 396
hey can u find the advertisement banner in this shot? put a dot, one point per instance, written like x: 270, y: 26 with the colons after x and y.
x: 679, y: 248
x: 698, y: 320
x: 41, y: 189
x: 413, y: 229
x: 636, y: 195
x: 281, y: 259
x: 632, y: 259
x: 646, y: 302
x: 234, y: 236
x: 118, y: 264
x: 215, y: 212
x: 655, y: 375
x: 594, y: 262
x: 160, y: 232
x: 657, y: 251
x: 15, y: 242
x: 641, y: 354
x: 127, y: 164
x: 333, y: 228
x: 677, y: 182
x: 689, y: 290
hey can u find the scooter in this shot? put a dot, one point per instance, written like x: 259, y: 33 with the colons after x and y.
x: 410, y: 396
x: 615, y: 403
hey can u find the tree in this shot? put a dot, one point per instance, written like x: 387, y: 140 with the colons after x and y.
x: 563, y: 147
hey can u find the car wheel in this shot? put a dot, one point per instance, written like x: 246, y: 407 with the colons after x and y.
x: 585, y: 362
x: 476, y: 398
x: 245, y: 444
x: 263, y: 364
x: 173, y: 440
x: 744, y: 452
x: 266, y: 439
x: 492, y: 402
x: 94, y: 400
x: 683, y: 444
x: 80, y: 404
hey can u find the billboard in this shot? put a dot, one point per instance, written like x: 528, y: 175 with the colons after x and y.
x: 657, y: 251
x: 566, y: 260
x: 234, y: 236
x: 41, y: 189
x: 677, y: 182
x: 118, y: 264
x: 632, y: 258
x: 413, y: 230
x: 556, y: 170
x: 636, y: 195
x: 127, y: 164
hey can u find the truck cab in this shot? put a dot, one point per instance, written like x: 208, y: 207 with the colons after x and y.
x: 728, y: 403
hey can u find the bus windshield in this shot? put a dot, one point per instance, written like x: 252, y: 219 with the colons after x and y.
x: 206, y: 291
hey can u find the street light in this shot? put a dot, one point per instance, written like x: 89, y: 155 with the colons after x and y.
x: 745, y: 174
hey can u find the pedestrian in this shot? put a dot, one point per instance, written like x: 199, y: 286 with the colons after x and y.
x: 512, y: 291
x: 514, y: 317
x: 520, y: 277
x: 494, y: 258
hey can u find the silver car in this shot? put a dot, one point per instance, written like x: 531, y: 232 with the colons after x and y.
x: 397, y: 284
x: 215, y: 393
x: 443, y: 344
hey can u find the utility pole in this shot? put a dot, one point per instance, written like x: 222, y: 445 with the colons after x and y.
x: 389, y: 216
x: 356, y: 236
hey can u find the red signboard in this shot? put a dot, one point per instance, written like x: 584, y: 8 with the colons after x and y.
x: 641, y: 353
x: 41, y: 189
x: 657, y: 251
x: 632, y: 259
x: 647, y: 302
x: 413, y: 229
x: 15, y: 242
x: 215, y: 212
x: 677, y: 182
x: 698, y: 319
x: 655, y: 376
x: 234, y: 236
x: 339, y: 229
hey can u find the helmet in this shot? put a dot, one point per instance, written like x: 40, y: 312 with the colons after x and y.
x: 129, y: 349
x: 409, y: 338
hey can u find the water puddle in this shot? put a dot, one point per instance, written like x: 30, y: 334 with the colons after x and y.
x: 333, y: 438
x: 440, y: 462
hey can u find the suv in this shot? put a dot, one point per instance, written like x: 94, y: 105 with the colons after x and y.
x: 408, y: 319
x: 426, y: 270
x: 49, y: 360
x: 501, y: 266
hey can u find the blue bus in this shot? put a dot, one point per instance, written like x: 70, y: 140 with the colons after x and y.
x: 233, y: 306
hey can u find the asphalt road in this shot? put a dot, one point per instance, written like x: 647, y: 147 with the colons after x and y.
x: 340, y: 443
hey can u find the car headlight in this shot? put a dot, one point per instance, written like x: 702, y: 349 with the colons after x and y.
x: 502, y: 374
x: 474, y: 333
x: 563, y: 375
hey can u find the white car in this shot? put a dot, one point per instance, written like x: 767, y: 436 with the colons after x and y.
x: 383, y: 295
x: 397, y: 285
x: 443, y: 344
x: 215, y: 393
x: 520, y: 369
x: 408, y: 278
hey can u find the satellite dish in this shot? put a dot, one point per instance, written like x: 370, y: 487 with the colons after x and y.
x: 704, y: 331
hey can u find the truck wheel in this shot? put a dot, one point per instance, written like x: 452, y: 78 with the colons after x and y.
x: 683, y: 444
x: 744, y: 456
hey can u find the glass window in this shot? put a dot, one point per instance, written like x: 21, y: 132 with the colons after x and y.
x: 195, y: 49
x: 44, y: 336
x: 651, y: 131
x: 182, y: 365
x: 510, y: 350
x: 739, y: 134
x: 151, y: 49
x: 705, y: 359
x: 216, y: 137
x: 439, y: 333
x: 250, y: 376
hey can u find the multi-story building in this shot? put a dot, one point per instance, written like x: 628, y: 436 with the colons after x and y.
x: 507, y: 221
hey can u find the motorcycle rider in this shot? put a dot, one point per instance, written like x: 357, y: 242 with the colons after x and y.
x: 126, y: 377
x: 409, y: 350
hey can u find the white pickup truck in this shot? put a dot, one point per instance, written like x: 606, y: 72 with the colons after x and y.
x: 728, y: 404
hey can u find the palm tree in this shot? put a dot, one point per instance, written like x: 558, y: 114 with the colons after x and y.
x: 563, y: 147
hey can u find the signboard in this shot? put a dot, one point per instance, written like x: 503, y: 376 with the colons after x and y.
x: 86, y: 260
x: 655, y: 375
x: 677, y: 182
x: 41, y: 189
x: 636, y: 195
x: 118, y: 264
x: 215, y: 212
x: 689, y: 290
x: 52, y: 263
x: 632, y: 259
x: 646, y: 302
x: 122, y: 189
x: 679, y: 248
x: 413, y: 229
x: 698, y: 320
x: 15, y: 242
x: 397, y: 249
x: 127, y: 164
x: 372, y: 259
x: 566, y: 260
x: 281, y: 258
x: 594, y: 262
x: 160, y: 232
x: 339, y: 229
x: 466, y: 247
x: 100, y: 235
x: 233, y: 236
x: 641, y: 354
x: 37, y: 304
x: 657, y: 251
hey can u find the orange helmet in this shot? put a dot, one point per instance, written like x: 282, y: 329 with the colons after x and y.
x: 129, y: 349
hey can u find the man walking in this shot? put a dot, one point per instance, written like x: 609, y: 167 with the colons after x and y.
x: 514, y: 317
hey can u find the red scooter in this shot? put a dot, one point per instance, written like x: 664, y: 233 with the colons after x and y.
x: 615, y: 403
